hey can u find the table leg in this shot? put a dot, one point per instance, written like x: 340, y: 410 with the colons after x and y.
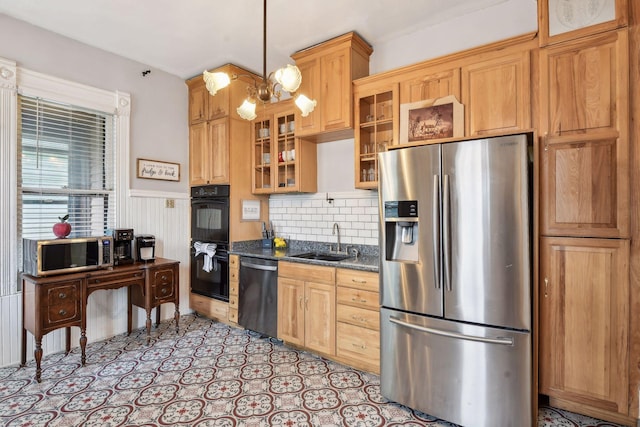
x: 23, y: 355
x: 68, y: 339
x: 176, y: 315
x: 157, y: 316
x: 37, y: 354
x: 148, y: 324
x: 83, y: 346
x: 129, y: 310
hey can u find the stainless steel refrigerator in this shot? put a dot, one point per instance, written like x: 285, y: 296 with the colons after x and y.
x: 455, y: 280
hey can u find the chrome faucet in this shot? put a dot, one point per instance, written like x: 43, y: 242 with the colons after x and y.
x: 336, y: 230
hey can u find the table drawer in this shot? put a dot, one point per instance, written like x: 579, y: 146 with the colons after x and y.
x: 359, y: 343
x: 116, y: 280
x: 163, y: 291
x: 358, y: 298
x: 63, y: 294
x: 358, y: 316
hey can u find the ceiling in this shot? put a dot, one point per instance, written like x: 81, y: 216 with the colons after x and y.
x: 185, y: 37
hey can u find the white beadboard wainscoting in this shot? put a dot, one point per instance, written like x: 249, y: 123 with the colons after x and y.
x: 107, y: 309
x: 311, y: 216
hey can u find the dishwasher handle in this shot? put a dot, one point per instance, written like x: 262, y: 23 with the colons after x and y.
x: 258, y: 266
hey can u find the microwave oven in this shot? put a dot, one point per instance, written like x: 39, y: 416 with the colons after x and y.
x: 60, y: 256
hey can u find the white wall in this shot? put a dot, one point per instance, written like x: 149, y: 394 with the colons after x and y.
x: 159, y: 101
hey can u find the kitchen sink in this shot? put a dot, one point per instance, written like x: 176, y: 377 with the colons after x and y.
x: 322, y: 256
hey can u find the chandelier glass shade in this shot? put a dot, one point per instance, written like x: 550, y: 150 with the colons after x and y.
x: 288, y: 78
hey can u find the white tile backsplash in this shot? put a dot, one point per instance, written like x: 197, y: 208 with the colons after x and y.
x: 311, y: 216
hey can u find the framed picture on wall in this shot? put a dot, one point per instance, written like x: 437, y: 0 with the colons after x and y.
x: 431, y: 119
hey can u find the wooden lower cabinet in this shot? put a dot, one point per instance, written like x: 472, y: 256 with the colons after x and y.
x: 584, y: 325
x: 234, y: 285
x: 358, y: 319
x: 209, y: 307
x: 306, y: 306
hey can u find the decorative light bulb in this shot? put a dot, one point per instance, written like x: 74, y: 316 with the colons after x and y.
x: 289, y: 77
x: 216, y: 81
x: 305, y: 104
x: 247, y: 110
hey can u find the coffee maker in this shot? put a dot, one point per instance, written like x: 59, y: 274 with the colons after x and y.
x: 145, y: 248
x: 122, y: 246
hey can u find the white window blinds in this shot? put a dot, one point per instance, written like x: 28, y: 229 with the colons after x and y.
x: 66, y: 165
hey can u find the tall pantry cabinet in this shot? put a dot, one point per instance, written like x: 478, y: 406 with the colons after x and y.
x: 219, y: 143
x: 585, y: 216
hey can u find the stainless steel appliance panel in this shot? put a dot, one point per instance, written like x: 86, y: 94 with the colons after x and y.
x: 411, y: 174
x: 258, y: 295
x: 486, y: 232
x: 467, y: 374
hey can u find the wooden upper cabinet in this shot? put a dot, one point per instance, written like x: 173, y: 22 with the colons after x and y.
x: 560, y: 21
x: 211, y: 120
x: 584, y: 123
x: 585, y: 187
x: 584, y: 86
x: 496, y: 94
x: 584, y: 321
x: 430, y: 85
x: 328, y: 70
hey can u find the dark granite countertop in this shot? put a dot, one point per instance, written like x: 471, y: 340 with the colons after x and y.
x: 367, y: 259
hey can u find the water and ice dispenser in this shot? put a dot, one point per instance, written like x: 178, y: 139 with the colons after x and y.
x: 401, y: 230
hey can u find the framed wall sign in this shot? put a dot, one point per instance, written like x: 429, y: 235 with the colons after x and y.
x: 156, y: 169
x: 250, y: 210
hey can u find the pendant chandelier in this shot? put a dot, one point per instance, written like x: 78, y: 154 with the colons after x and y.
x: 288, y: 77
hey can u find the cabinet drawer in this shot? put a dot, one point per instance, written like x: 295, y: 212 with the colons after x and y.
x: 163, y: 291
x: 358, y: 343
x: 62, y: 313
x: 234, y: 261
x: 209, y: 307
x: 233, y: 302
x: 365, y: 280
x: 358, y: 298
x: 233, y: 288
x: 112, y: 281
x: 61, y: 295
x: 358, y: 316
x: 233, y: 315
x: 234, y: 274
x: 307, y: 272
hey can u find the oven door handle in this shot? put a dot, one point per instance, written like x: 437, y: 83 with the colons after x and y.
x: 259, y: 267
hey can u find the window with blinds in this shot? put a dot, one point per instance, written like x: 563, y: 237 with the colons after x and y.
x: 66, y: 165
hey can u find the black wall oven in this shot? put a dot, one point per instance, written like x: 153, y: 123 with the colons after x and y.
x: 210, y: 241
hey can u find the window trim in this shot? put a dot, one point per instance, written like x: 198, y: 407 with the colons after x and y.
x: 14, y: 80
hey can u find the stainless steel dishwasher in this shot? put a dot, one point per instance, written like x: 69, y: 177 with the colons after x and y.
x: 258, y: 295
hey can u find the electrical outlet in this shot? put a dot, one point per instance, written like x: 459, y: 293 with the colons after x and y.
x: 169, y: 203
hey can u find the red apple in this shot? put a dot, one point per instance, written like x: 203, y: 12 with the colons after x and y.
x: 63, y: 228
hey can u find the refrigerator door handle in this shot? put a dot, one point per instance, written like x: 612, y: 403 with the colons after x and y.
x: 498, y: 340
x: 436, y: 231
x: 446, y: 233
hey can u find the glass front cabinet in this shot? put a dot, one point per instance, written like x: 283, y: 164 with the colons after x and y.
x: 281, y: 162
x: 377, y: 127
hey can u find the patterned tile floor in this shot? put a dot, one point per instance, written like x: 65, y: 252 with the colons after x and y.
x: 207, y: 374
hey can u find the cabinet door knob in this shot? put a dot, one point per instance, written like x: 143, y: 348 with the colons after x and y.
x: 62, y: 312
x: 62, y: 295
